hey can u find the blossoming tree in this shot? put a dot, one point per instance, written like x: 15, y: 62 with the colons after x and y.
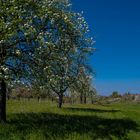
x: 65, y: 52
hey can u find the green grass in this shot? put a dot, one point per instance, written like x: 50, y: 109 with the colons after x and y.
x: 44, y: 121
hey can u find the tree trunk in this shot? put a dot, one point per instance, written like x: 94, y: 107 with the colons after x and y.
x: 3, y: 101
x: 60, y: 101
x: 85, y: 99
x: 38, y: 98
x: 81, y: 98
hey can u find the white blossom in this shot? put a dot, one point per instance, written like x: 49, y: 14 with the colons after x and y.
x: 18, y: 52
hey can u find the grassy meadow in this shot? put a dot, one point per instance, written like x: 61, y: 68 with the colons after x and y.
x: 30, y: 120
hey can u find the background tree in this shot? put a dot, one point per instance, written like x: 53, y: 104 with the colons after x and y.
x: 83, y: 86
x: 93, y: 94
x: 115, y: 94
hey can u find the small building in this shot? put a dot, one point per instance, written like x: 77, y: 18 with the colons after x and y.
x: 137, y: 97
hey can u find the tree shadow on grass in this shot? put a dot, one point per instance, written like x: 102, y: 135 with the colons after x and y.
x: 58, y: 126
x: 91, y: 110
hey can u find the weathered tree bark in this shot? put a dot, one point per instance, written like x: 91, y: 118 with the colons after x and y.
x: 60, y: 100
x: 2, y: 101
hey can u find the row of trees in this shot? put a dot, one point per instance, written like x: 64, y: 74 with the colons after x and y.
x: 22, y: 92
x: 43, y: 44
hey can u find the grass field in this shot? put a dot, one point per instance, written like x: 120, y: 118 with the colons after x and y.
x: 30, y: 120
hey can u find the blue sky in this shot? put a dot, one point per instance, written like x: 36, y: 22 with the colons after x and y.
x: 115, y: 25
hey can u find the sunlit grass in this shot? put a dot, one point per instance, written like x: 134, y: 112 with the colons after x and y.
x: 30, y: 120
